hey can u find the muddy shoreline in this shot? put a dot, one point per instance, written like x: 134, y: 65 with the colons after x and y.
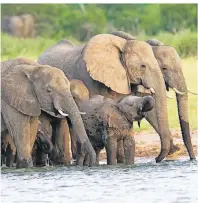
x: 148, y: 144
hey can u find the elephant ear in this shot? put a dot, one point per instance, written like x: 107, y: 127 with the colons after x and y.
x: 115, y: 118
x: 102, y: 58
x: 17, y: 89
x: 154, y: 42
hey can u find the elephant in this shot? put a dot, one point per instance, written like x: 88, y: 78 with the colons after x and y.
x: 111, y: 66
x: 107, y: 122
x: 42, y: 147
x: 170, y: 65
x: 19, y: 26
x: 28, y: 90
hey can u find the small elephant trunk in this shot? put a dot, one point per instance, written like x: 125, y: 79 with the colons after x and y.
x: 147, y: 103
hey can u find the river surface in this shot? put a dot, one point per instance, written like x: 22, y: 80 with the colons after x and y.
x: 146, y: 181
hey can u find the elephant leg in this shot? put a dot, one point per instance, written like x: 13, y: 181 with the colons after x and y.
x: 151, y: 118
x: 129, y: 149
x: 120, y: 152
x: 62, y: 142
x: 86, y: 160
x: 98, y: 156
x: 19, y: 128
x: 10, y: 151
x: 111, y: 148
x: 33, y: 131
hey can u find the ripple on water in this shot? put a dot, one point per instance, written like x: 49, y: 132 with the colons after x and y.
x: 146, y: 181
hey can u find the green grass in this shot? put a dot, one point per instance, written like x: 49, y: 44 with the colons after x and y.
x: 32, y: 48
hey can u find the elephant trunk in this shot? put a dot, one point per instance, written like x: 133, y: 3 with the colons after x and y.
x: 161, y: 114
x: 182, y: 106
x: 71, y: 108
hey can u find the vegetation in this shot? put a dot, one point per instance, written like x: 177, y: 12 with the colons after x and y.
x: 85, y: 20
x: 174, y: 25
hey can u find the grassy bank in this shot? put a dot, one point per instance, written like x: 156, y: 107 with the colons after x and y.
x: 32, y: 48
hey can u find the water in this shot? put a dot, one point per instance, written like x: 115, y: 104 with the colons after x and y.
x: 167, y: 182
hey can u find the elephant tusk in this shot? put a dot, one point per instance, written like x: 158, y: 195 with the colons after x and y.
x: 195, y: 93
x: 82, y: 113
x: 63, y: 114
x: 152, y: 90
x: 178, y: 92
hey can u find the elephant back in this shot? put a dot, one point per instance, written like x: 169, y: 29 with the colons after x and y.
x: 62, y: 55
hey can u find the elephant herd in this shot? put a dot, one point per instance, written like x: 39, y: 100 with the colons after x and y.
x: 83, y: 98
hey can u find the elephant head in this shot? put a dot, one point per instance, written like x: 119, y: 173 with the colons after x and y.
x: 30, y: 88
x: 134, y: 108
x: 171, y: 67
x: 119, y: 63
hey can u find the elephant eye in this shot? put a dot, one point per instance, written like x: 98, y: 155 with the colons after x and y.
x: 143, y: 66
x: 164, y: 67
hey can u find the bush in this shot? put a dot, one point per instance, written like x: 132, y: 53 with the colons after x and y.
x: 184, y: 42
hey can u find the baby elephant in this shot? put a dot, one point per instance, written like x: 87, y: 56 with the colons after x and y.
x: 107, y: 122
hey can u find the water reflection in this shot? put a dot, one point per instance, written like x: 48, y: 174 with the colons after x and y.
x: 146, y: 181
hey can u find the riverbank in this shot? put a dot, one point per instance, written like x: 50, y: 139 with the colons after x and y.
x: 148, y: 144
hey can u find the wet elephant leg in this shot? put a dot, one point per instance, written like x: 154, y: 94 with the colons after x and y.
x: 120, y: 152
x: 10, y: 151
x: 129, y: 149
x: 111, y: 148
x: 98, y: 156
x: 151, y: 118
x: 62, y: 141
x: 19, y: 128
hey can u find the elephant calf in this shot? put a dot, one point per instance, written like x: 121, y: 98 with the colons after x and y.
x: 108, y: 122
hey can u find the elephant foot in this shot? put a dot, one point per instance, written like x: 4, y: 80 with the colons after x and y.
x: 25, y: 163
x: 173, y: 149
x: 162, y: 155
x: 10, y: 160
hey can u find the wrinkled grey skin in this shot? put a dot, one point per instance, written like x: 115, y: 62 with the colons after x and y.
x: 28, y: 89
x: 69, y: 58
x: 108, y: 122
x: 19, y: 26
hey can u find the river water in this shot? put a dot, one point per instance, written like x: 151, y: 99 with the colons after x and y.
x: 146, y: 181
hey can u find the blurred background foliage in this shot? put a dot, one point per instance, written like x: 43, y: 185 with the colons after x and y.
x: 174, y: 24
x: 85, y: 20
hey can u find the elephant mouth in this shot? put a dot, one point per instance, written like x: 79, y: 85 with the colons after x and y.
x: 142, y: 89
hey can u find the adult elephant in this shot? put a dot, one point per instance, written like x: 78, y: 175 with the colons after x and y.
x: 19, y: 26
x: 28, y: 89
x: 170, y: 65
x: 108, y: 65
